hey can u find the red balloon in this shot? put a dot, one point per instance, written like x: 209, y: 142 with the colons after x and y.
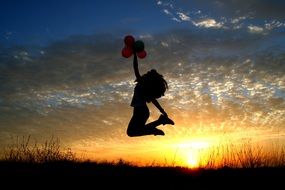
x: 141, y: 54
x: 129, y: 40
x: 127, y: 52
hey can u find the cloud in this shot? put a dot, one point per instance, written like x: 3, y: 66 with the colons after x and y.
x: 183, y: 16
x: 274, y: 24
x: 164, y: 44
x: 255, y: 29
x: 228, y: 14
x: 261, y: 9
x: 87, y: 60
x: 238, y: 19
x: 159, y: 3
x: 175, y: 19
x: 209, y: 23
x: 167, y: 12
x: 81, y: 87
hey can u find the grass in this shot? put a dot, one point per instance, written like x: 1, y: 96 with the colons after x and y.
x: 245, y: 155
x: 50, y: 151
x: 47, y: 163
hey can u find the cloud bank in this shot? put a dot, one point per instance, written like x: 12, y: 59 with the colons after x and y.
x: 265, y: 15
x: 80, y: 88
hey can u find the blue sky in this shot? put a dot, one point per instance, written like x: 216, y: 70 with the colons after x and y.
x: 62, y: 73
x: 39, y: 22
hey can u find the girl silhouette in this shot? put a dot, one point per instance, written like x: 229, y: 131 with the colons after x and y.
x: 149, y: 87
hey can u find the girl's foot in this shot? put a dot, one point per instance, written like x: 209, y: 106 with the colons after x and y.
x: 157, y: 132
x: 165, y: 120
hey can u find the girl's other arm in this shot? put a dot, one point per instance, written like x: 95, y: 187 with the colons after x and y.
x: 156, y: 103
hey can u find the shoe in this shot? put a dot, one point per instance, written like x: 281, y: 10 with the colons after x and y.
x: 165, y: 120
x: 157, y: 132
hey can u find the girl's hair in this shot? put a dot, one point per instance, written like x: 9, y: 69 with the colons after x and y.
x: 153, y: 84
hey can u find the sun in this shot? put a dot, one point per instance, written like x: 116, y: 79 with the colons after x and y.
x: 192, y: 152
x: 193, y: 160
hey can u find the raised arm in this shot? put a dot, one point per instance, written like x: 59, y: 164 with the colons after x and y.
x: 136, y: 67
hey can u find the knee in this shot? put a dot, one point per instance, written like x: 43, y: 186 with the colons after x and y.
x: 132, y: 129
x: 131, y: 133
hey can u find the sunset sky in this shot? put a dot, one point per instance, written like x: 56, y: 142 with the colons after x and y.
x: 62, y: 74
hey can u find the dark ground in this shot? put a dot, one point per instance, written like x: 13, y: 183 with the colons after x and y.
x: 120, y: 176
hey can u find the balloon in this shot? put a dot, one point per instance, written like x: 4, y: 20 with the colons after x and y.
x: 141, y: 54
x: 129, y: 40
x: 127, y: 52
x: 138, y: 46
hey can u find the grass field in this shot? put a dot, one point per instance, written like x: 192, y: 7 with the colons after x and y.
x: 27, y: 166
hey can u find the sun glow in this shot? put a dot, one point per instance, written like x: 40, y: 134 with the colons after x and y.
x: 191, y: 152
x: 193, y: 160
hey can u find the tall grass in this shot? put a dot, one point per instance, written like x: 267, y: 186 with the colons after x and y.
x: 226, y: 155
x: 245, y: 155
x: 22, y: 150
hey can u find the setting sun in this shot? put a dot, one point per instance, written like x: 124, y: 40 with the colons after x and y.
x: 193, y: 161
x: 194, y: 153
x: 190, y: 152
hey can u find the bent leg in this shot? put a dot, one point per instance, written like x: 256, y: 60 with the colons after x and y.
x: 135, y: 129
x: 138, y: 127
